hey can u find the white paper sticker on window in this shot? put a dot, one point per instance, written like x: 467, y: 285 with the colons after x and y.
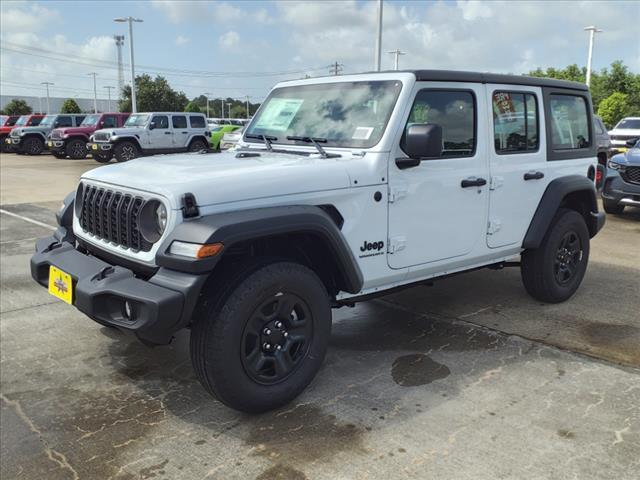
x: 278, y: 114
x: 362, y: 133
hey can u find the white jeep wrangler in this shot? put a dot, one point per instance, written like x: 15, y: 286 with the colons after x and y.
x: 150, y: 134
x: 342, y: 188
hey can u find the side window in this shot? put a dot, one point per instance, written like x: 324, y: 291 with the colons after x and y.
x: 569, y: 122
x: 79, y: 120
x: 515, y: 122
x: 161, y: 121
x: 109, y: 121
x: 197, y: 121
x: 64, y: 122
x: 455, y: 112
x: 34, y: 122
x: 179, y: 121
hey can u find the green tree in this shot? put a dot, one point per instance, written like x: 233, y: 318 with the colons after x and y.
x: 70, y: 106
x: 613, y: 108
x: 153, y: 95
x: 17, y: 107
x: 238, y: 110
x: 192, y: 107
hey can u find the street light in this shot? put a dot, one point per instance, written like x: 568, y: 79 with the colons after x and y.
x: 592, y: 33
x: 95, y: 93
x: 397, y: 54
x: 130, y: 20
x: 379, y: 37
x: 247, y: 100
x: 109, y: 96
x: 48, y: 103
x: 206, y: 94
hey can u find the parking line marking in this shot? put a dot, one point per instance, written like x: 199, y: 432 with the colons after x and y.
x: 27, y: 219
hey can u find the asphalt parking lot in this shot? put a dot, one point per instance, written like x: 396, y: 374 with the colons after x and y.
x: 468, y: 379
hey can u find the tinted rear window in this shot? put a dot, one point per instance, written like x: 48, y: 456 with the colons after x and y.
x: 197, y: 121
x: 569, y: 122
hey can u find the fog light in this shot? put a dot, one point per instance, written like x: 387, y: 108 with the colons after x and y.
x: 128, y: 311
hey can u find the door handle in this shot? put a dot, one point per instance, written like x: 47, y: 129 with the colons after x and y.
x: 184, y: 133
x: 167, y: 133
x: 533, y: 175
x: 473, y: 182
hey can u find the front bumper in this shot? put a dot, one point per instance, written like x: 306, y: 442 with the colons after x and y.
x: 12, y: 144
x: 160, y: 305
x: 56, y: 146
x: 617, y: 190
x: 99, y: 147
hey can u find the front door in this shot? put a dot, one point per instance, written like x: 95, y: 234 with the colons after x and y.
x: 438, y: 209
x: 161, y: 137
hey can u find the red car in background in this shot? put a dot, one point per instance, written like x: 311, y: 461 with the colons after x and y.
x: 72, y: 141
x: 9, y: 122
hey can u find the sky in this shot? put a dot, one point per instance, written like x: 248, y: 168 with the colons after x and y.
x: 243, y: 48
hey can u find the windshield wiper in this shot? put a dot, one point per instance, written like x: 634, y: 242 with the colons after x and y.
x: 267, y: 139
x: 316, y: 143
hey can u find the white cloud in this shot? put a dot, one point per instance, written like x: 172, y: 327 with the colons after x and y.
x: 26, y: 17
x: 473, y: 9
x: 182, y: 41
x: 229, y: 39
x: 184, y: 10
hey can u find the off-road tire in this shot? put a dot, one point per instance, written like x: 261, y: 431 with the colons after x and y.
x: 33, y: 146
x: 219, y: 339
x: 125, y: 151
x: 76, y: 149
x: 612, y: 207
x: 197, y: 145
x: 59, y: 155
x: 542, y: 267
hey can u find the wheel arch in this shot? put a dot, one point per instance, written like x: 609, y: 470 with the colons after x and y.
x: 574, y: 192
x: 131, y: 139
x: 198, y: 137
x: 307, y: 234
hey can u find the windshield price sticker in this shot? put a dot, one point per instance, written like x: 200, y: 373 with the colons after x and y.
x: 362, y: 133
x: 278, y: 114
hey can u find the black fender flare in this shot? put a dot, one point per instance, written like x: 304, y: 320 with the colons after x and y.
x: 132, y: 139
x: 232, y: 227
x: 552, y: 199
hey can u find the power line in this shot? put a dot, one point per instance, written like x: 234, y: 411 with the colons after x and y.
x: 335, y: 68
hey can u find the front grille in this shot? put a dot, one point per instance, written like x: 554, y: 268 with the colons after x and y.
x: 55, y: 135
x: 101, y: 137
x: 631, y: 175
x: 113, y: 216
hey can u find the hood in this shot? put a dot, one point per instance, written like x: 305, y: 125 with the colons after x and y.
x: 73, y: 131
x: 223, y: 178
x: 121, y: 130
x: 26, y: 130
x: 630, y: 158
x: 633, y: 132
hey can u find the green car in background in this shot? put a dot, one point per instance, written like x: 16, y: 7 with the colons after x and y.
x: 218, y: 131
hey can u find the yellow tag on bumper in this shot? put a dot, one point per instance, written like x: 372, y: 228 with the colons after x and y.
x: 60, y: 285
x: 94, y: 146
x: 51, y: 144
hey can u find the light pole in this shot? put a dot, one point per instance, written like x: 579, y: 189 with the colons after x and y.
x: 130, y: 20
x: 48, y: 102
x: 397, y: 54
x: 109, y: 96
x: 592, y: 33
x: 229, y: 110
x: 207, y: 95
x: 379, y: 37
x: 247, y: 100
x: 95, y: 93
x: 222, y: 109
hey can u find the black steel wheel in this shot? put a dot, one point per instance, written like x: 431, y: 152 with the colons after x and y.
x: 554, y: 271
x: 260, y: 334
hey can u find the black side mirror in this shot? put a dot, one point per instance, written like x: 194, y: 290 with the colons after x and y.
x: 631, y: 143
x: 152, y: 125
x: 422, y: 141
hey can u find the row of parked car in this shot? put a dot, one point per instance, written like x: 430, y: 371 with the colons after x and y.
x: 122, y: 136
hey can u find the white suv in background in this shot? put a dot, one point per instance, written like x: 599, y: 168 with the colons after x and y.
x: 626, y: 129
x: 150, y: 134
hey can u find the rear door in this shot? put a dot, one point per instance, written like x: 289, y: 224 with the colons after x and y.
x: 180, y: 130
x: 517, y: 161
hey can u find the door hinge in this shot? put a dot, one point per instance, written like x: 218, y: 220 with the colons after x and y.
x: 496, y: 182
x: 396, y: 193
x: 396, y: 244
x: 493, y: 226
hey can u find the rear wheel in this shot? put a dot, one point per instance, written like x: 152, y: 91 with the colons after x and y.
x: 197, y: 145
x: 33, y: 146
x: 257, y: 346
x: 76, y: 149
x: 611, y: 206
x: 125, y: 151
x: 553, y: 271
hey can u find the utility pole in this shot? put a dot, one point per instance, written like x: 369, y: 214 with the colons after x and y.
x: 379, y: 37
x: 222, y: 109
x: 397, y: 54
x: 335, y: 68
x: 247, y: 100
x: 109, y: 96
x: 119, y: 44
x: 592, y: 33
x: 95, y: 93
x: 48, y: 102
x: 207, y: 95
x: 39, y: 104
x: 130, y: 20
x: 229, y: 110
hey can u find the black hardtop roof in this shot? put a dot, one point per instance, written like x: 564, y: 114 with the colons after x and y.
x: 479, y: 77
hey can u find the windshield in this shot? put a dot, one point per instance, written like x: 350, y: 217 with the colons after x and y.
x: 629, y: 123
x: 90, y: 120
x: 341, y: 114
x: 48, y: 120
x: 22, y: 120
x: 137, y: 120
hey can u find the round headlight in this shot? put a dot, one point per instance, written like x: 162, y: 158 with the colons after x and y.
x: 153, y: 220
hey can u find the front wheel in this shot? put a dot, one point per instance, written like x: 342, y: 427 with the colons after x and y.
x: 257, y: 346
x: 33, y: 146
x: 125, y: 151
x: 553, y: 271
x: 76, y: 149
